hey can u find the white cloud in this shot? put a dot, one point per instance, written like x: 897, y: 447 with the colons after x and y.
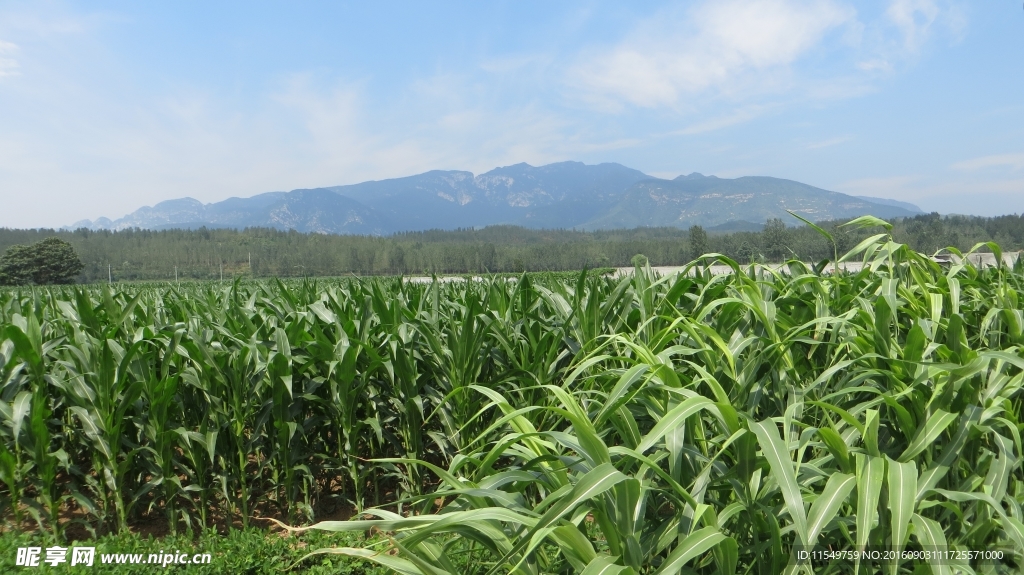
x: 329, y: 117
x: 918, y: 20
x: 8, y: 63
x: 828, y: 143
x: 309, y: 132
x: 79, y: 121
x: 875, y: 65
x: 1011, y: 161
x: 712, y: 47
x: 737, y: 117
x: 914, y: 18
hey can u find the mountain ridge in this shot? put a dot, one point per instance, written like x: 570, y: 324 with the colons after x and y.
x: 560, y: 195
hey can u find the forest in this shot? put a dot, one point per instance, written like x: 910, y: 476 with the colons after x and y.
x: 142, y: 255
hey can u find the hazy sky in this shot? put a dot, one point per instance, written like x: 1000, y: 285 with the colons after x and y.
x: 109, y: 106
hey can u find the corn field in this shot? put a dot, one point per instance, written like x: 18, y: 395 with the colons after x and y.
x: 683, y: 424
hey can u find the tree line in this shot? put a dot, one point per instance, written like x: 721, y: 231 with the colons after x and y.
x: 135, y: 254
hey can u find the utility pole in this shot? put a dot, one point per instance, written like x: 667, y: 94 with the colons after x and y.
x: 221, y: 271
x: 110, y: 278
x: 250, y: 265
x: 175, y: 274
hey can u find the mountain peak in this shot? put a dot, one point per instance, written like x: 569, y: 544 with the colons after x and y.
x: 695, y: 176
x: 566, y: 194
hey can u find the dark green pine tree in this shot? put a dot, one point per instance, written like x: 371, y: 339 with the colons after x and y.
x: 698, y: 242
x: 775, y: 239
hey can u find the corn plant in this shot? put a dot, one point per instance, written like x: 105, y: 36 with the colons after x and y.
x: 689, y: 423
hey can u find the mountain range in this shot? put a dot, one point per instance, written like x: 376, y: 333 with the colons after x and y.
x: 562, y: 195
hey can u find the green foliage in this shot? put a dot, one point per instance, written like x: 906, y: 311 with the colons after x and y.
x: 775, y: 240
x: 538, y: 424
x: 698, y: 242
x: 16, y: 266
x: 142, y: 255
x: 50, y: 261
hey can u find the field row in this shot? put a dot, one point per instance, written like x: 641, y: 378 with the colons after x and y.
x: 634, y: 425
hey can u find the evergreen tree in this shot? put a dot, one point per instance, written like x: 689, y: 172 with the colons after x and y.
x: 774, y: 238
x: 698, y: 242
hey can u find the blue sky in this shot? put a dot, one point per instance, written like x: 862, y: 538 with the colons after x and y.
x: 109, y: 106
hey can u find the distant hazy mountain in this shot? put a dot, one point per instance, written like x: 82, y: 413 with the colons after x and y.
x: 562, y: 195
x: 711, y: 201
x: 897, y: 203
